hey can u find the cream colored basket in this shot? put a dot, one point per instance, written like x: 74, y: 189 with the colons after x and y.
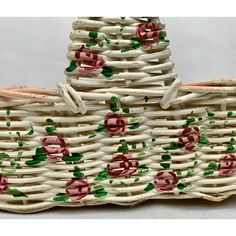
x: 122, y: 129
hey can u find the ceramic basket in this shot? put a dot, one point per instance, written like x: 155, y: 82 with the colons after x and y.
x: 122, y: 129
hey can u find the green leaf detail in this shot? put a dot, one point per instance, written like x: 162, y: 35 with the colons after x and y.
x: 73, y: 157
x: 210, y: 114
x: 143, y: 169
x: 8, y: 124
x: 165, y: 157
x: 8, y: 112
x: 181, y: 186
x: 136, y: 180
x: 230, y: 148
x: 125, y: 110
x: 50, y: 129
x: 109, y: 71
x: 101, y: 128
x: 32, y: 162
x: 31, y: 132
x: 90, y: 45
x: 18, y: 133
x: 123, y: 148
x: 102, y: 175
x: 190, y: 121
x: 134, y: 146
x: 71, y: 67
x: 49, y: 120
x: 134, y: 126
x: 213, y: 165
x: 203, y: 140
x: 149, y: 187
x: 209, y: 172
x: 99, y: 192
x: 93, y: 35
x: 173, y: 146
x: 230, y: 113
x: 165, y: 165
x: 21, y: 143
x: 78, y: 174
x: 3, y: 155
x: 178, y: 173
x: 61, y: 197
x: 16, y: 193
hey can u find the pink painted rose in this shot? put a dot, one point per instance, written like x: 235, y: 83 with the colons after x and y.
x: 165, y: 180
x: 3, y: 183
x: 227, y: 165
x: 77, y: 189
x: 115, y: 123
x: 54, y: 147
x: 189, y: 137
x: 148, y: 30
x: 122, y: 165
x: 88, y: 62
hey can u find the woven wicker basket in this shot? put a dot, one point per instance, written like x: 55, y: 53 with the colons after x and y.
x: 122, y: 129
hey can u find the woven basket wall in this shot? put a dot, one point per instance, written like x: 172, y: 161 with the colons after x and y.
x: 122, y: 129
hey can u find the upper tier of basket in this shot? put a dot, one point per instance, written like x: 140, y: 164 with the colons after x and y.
x: 119, y: 52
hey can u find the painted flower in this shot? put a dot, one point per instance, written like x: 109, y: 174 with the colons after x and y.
x: 227, y: 165
x: 148, y: 30
x: 165, y: 180
x: 3, y: 183
x: 88, y: 62
x: 115, y: 123
x: 77, y: 189
x: 55, y: 147
x: 122, y: 165
x: 189, y: 137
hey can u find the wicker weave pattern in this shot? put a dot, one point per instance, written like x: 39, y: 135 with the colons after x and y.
x: 121, y: 130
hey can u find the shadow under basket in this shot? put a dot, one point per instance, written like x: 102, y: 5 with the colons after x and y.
x: 122, y: 129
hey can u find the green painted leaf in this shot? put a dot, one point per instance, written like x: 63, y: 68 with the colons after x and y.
x: 72, y: 157
x: 4, y: 155
x: 134, y: 126
x: 230, y: 113
x: 93, y: 35
x: 30, y: 132
x: 230, y: 147
x: 32, y: 162
x: 109, y: 71
x: 78, y: 174
x: 90, y: 45
x: 210, y: 114
x: 203, y: 139
x: 209, y: 172
x: 71, y: 67
x: 49, y: 120
x: 190, y: 121
x: 165, y: 165
x: 8, y: 124
x: 165, y: 157
x: 125, y: 110
x: 181, y: 186
x: 173, y: 146
x: 101, y: 128
x: 50, y: 129
x: 61, y: 197
x: 8, y: 112
x: 149, y: 187
x: 123, y: 148
x: 136, y: 180
x: 100, y: 193
x: 16, y: 193
x: 143, y: 169
x: 213, y: 165
x: 102, y: 175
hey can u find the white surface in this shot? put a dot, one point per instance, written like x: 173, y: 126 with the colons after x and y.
x: 32, y: 51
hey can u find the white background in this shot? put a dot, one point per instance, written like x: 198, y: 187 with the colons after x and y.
x: 32, y: 52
